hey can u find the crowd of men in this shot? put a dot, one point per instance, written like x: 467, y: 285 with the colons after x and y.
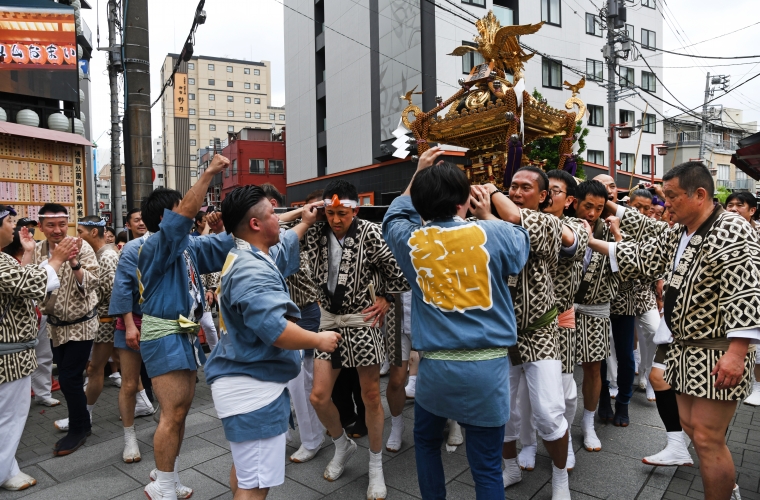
x: 480, y: 303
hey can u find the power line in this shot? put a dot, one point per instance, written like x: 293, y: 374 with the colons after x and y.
x: 695, y: 56
x: 721, y: 36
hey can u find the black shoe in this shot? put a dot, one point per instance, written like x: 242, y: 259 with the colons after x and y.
x: 605, y: 412
x: 58, y: 443
x: 621, y: 415
x: 70, y: 443
x: 357, y: 430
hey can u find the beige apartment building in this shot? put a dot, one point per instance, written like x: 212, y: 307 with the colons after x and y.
x: 212, y: 96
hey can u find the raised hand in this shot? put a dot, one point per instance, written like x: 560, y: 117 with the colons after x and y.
x: 218, y: 164
x: 27, y: 240
x: 214, y: 221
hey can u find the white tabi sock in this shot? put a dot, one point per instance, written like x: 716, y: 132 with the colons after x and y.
x: 560, y: 484
x: 512, y: 473
x: 397, y: 429
x: 89, y: 410
x: 176, y: 470
x: 166, y: 484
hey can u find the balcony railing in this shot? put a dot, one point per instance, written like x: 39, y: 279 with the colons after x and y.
x: 747, y: 184
x: 693, y: 138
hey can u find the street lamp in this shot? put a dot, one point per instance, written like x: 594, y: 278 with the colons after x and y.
x: 662, y: 150
x: 624, y: 132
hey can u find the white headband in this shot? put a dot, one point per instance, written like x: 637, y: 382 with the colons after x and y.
x: 341, y: 203
x: 59, y: 214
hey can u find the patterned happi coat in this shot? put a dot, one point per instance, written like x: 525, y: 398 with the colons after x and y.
x: 366, y: 259
x: 569, y: 271
x: 714, y: 290
x: 533, y: 289
x: 20, y: 288
x: 108, y: 259
x: 72, y: 301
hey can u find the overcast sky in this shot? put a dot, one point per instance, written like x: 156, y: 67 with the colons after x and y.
x: 253, y: 30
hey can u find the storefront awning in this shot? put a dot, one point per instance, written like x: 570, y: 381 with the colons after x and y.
x: 42, y: 133
x: 747, y: 156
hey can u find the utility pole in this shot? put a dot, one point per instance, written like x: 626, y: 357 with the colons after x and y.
x: 137, y: 138
x: 114, y: 68
x: 703, y: 133
x: 616, y: 18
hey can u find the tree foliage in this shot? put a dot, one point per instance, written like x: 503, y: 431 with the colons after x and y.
x: 722, y: 194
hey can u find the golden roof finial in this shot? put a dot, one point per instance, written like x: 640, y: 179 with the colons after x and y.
x: 575, y: 89
x: 408, y: 95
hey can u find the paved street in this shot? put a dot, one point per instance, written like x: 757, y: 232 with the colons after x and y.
x: 97, y: 472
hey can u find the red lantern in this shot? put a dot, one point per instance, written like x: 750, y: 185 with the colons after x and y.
x: 19, y: 53
x: 70, y: 55
x: 54, y: 54
x: 5, y: 53
x: 37, y: 54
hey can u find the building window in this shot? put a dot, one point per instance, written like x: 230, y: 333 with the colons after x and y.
x: 212, y: 97
x: 594, y: 70
x: 226, y: 172
x: 230, y: 113
x: 247, y: 114
x: 230, y: 128
x: 257, y: 116
x: 648, y: 39
x: 211, y: 82
x: 191, y: 97
x: 550, y: 12
x: 234, y: 167
x: 471, y: 59
x: 229, y: 69
x: 248, y: 100
x: 190, y: 65
x: 646, y: 164
x: 477, y: 3
x: 246, y: 71
x: 282, y: 117
x: 211, y: 67
x: 191, y: 111
x: 551, y: 73
x: 212, y: 112
x: 256, y: 72
x: 193, y: 173
x: 650, y: 123
x: 256, y: 167
x: 229, y: 83
x: 593, y: 25
x: 648, y: 81
x: 276, y: 167
x: 103, y: 196
x: 627, y: 77
x: 230, y: 98
x: 193, y: 158
x: 257, y: 101
x: 724, y: 172
x: 256, y: 86
x: 271, y: 116
x: 191, y: 81
x: 648, y: 3
x: 626, y: 160
x: 628, y: 117
x: 212, y: 128
x: 192, y: 126
x: 366, y: 199
x: 629, y: 31
x: 595, y: 116
x: 595, y: 156
x: 192, y: 142
x: 247, y: 85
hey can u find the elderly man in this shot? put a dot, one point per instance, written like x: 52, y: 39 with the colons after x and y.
x: 710, y: 362
x: 21, y: 287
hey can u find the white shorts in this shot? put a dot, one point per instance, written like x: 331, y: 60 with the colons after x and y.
x: 259, y: 463
x: 406, y: 346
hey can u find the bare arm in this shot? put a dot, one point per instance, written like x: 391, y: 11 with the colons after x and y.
x: 427, y: 159
x: 568, y: 236
x: 308, y: 218
x: 191, y: 203
x: 507, y: 210
x: 291, y: 215
x: 132, y: 332
x: 294, y: 337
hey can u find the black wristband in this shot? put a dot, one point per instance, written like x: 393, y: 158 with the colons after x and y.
x: 390, y: 298
x: 77, y: 267
x: 493, y: 193
x: 495, y: 212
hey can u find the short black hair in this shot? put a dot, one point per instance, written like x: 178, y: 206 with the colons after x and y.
x: 237, y: 204
x: 543, y: 184
x: 199, y: 216
x: 691, y: 176
x: 52, y: 208
x: 344, y: 189
x: 590, y: 188
x: 111, y: 230
x: 94, y: 218
x: 564, y: 176
x: 743, y: 197
x: 272, y: 192
x: 154, y: 205
x: 317, y: 194
x: 131, y: 212
x: 436, y: 191
x: 122, y: 237
x: 640, y: 193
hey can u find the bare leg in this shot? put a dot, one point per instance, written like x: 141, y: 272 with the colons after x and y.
x: 369, y: 378
x: 321, y: 397
x: 395, y: 391
x: 592, y: 385
x: 705, y: 421
x: 115, y: 366
x: 558, y: 450
x: 101, y: 351
x: 414, y: 363
x: 130, y: 385
x: 657, y: 379
x: 175, y: 391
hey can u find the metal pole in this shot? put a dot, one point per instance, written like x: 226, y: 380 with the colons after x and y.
x: 611, y: 62
x: 137, y: 104
x: 116, y: 201
x: 702, y: 142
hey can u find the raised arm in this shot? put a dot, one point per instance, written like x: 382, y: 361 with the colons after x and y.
x: 193, y: 199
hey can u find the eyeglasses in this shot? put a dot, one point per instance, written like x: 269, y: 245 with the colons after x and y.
x: 558, y: 191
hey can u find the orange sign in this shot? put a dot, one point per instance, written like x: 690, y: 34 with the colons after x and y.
x: 180, y: 96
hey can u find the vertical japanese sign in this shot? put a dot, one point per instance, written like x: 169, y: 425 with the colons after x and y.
x: 79, y: 185
x: 180, y: 95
